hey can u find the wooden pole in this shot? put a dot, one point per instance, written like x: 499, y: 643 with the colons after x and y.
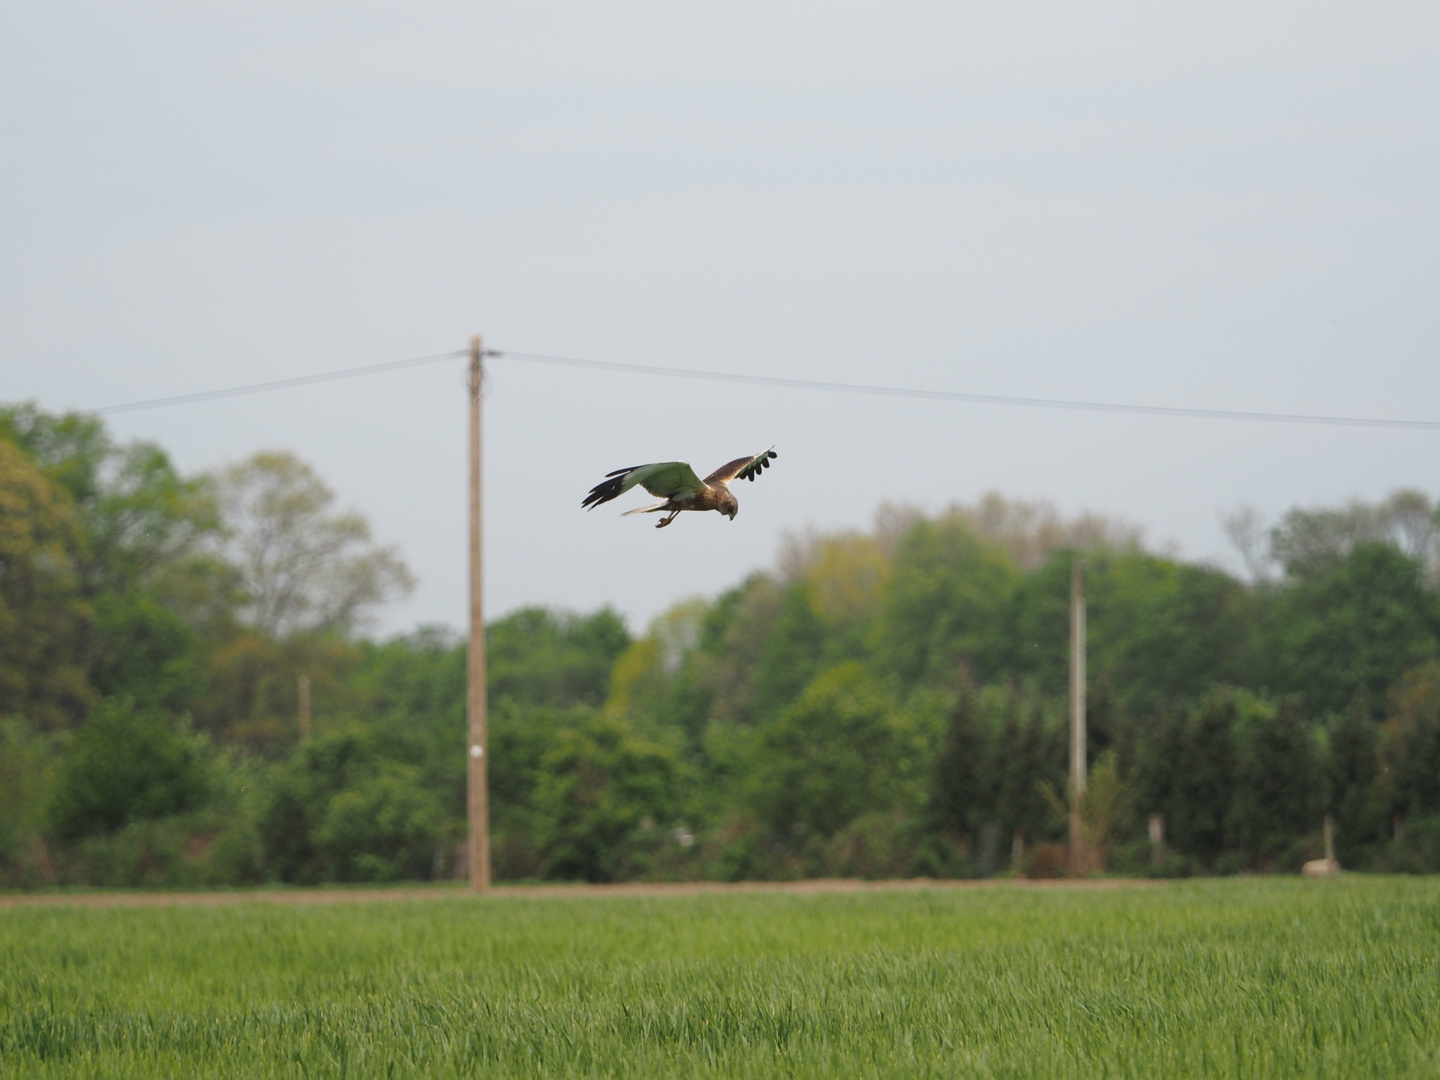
x: 1078, y: 864
x: 478, y: 800
x: 304, y: 708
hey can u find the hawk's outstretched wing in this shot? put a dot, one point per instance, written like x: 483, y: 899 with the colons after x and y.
x: 745, y: 468
x: 665, y: 479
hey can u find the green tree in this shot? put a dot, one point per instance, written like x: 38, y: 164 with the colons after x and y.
x: 1158, y: 748
x: 1024, y: 762
x: 1410, y: 752
x: 540, y: 657
x: 1360, y: 623
x: 385, y: 826
x: 1159, y: 629
x: 416, y: 684
x: 1310, y: 543
x: 144, y: 650
x: 600, y: 785
x: 303, y: 568
x: 1156, y: 629
x: 1280, y: 790
x: 27, y: 765
x: 251, y: 687
x: 1030, y: 636
x: 943, y: 602
x: 1203, y: 787
x: 126, y: 764
x: 351, y: 805
x: 1353, y: 764
x: 831, y: 756
x: 142, y: 524
x: 792, y: 656
x: 43, y: 616
x: 139, y: 555
x: 959, y: 788
x: 846, y: 579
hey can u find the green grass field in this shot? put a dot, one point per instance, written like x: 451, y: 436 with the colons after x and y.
x: 1263, y: 978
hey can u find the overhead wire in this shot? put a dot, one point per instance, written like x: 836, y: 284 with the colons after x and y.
x: 785, y: 382
x: 977, y: 399
x: 275, y: 384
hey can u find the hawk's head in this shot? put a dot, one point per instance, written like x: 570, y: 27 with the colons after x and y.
x: 729, y: 505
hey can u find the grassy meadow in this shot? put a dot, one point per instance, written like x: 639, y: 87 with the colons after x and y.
x: 1234, y: 977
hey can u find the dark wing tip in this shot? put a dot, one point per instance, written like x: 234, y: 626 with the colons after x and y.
x: 761, y: 462
x: 608, y: 488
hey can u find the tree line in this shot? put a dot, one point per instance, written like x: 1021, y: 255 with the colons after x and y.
x: 881, y: 703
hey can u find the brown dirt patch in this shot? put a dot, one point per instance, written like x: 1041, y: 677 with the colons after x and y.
x: 455, y: 892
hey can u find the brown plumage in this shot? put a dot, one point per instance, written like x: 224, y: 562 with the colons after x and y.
x: 679, y: 488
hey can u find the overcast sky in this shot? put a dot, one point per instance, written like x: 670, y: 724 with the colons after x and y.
x: 1211, y: 205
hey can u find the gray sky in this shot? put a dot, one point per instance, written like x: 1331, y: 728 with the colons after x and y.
x: 1215, y: 205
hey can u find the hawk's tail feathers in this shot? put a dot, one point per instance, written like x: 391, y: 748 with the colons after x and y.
x: 647, y: 509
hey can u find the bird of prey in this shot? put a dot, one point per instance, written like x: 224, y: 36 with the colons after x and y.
x: 679, y: 488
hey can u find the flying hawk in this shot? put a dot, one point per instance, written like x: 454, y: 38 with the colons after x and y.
x: 678, y: 486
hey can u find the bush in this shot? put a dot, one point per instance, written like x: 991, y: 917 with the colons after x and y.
x: 941, y: 855
x: 743, y: 849
x: 1417, y: 849
x: 143, y: 854
x: 125, y: 765
x: 1047, y: 861
x: 598, y: 788
x: 340, y: 809
x: 873, y: 846
x: 383, y: 828
x: 26, y: 776
x: 832, y: 756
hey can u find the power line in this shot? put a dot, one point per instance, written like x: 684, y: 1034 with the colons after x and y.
x: 977, y: 399
x: 275, y: 384
x: 791, y: 384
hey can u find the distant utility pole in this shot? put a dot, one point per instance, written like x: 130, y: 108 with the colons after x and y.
x: 478, y: 796
x: 1078, y: 861
x: 304, y: 708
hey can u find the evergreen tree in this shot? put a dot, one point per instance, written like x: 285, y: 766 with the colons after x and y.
x: 957, y: 798
x: 1352, y: 767
x: 1020, y: 771
x: 1411, y: 753
x: 1280, y: 786
x: 1204, y: 781
x: 1158, y: 749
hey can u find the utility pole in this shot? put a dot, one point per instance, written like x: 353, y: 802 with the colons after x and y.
x: 304, y: 709
x: 1078, y: 860
x: 478, y: 795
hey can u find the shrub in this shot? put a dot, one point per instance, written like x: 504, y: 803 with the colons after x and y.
x: 597, y: 786
x: 873, y: 846
x: 125, y: 765
x: 383, y: 828
x: 1047, y: 861
x: 340, y: 809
